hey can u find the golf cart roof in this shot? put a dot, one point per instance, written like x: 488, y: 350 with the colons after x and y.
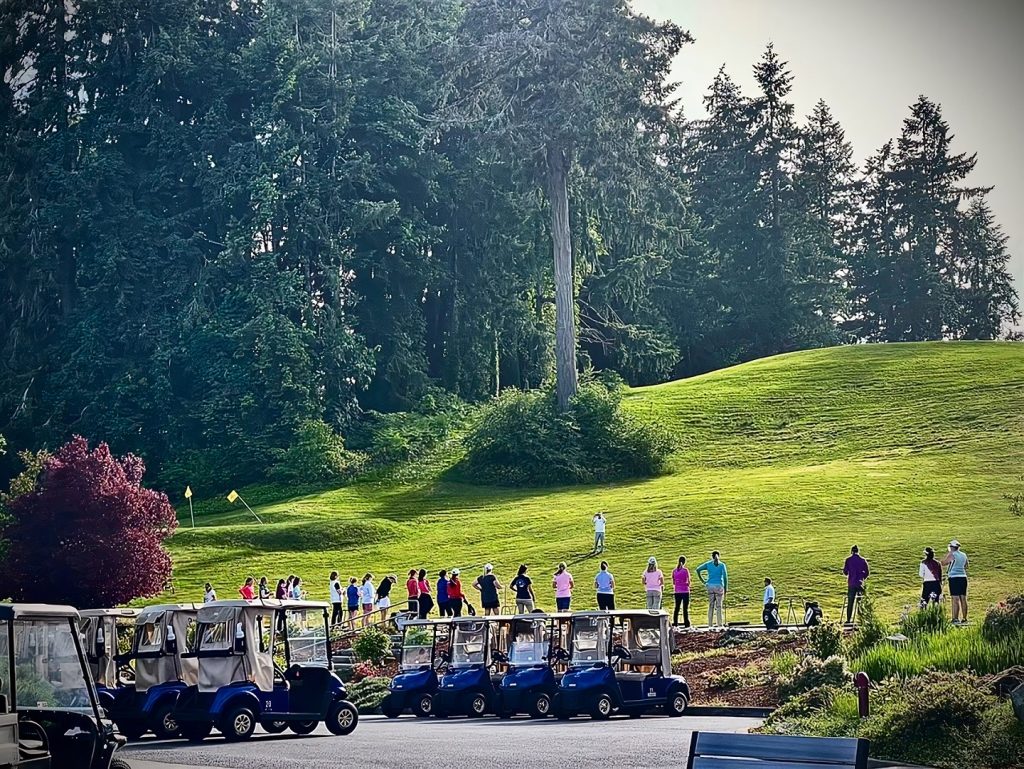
x: 163, y: 608
x: 542, y: 615
x: 642, y: 613
x: 427, y: 622
x: 267, y: 603
x: 9, y: 611
x: 126, y: 613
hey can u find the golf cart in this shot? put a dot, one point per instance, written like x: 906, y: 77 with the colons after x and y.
x: 620, y: 662
x: 49, y: 713
x: 535, y: 659
x: 163, y: 634
x: 107, y: 634
x: 470, y: 685
x: 263, y: 662
x: 416, y: 683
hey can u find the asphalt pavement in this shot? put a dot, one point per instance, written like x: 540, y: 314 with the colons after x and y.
x: 653, y: 742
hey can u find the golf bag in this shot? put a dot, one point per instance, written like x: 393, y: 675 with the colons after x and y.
x: 771, y: 617
x: 812, y: 614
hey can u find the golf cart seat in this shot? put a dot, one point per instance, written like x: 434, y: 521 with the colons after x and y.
x: 33, y: 746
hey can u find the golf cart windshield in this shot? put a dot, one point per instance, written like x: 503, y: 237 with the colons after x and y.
x: 307, y: 636
x: 531, y: 641
x: 49, y: 665
x: 590, y: 636
x: 417, y: 647
x: 469, y: 641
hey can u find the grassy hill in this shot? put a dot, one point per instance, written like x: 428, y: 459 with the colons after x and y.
x: 784, y: 463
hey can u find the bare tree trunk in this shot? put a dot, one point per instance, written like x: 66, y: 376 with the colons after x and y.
x: 565, y: 299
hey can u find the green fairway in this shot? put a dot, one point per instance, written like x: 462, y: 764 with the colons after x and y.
x: 783, y: 464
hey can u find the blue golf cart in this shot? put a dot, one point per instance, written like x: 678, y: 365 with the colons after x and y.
x: 163, y: 634
x: 620, y: 662
x: 106, y: 637
x: 424, y: 643
x: 471, y: 684
x: 536, y: 660
x: 263, y: 662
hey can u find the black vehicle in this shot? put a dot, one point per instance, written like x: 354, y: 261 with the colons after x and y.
x: 49, y: 711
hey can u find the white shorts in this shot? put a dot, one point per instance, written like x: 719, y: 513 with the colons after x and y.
x: 384, y: 603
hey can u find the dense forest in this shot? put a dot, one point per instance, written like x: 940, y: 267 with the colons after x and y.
x: 221, y: 220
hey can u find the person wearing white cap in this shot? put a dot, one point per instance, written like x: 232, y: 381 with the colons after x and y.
x: 488, y: 586
x: 654, y: 583
x: 956, y: 574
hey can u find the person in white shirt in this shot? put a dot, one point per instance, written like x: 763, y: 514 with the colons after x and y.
x: 599, y: 524
x: 210, y: 594
x: 769, y: 591
x: 367, y: 595
x: 337, y: 613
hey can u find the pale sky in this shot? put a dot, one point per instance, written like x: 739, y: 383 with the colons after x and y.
x: 870, y: 59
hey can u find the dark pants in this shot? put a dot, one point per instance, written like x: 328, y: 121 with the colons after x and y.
x: 455, y: 607
x: 606, y: 601
x: 444, y: 608
x: 337, y: 615
x: 852, y: 593
x: 682, y: 599
x: 563, y: 603
x: 931, y: 591
x: 426, y: 604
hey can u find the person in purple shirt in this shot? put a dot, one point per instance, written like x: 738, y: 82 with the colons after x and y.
x: 856, y: 571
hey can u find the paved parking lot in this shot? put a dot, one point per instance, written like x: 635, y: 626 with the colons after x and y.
x: 378, y: 743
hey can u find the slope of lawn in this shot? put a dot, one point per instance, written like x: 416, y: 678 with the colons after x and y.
x: 783, y: 464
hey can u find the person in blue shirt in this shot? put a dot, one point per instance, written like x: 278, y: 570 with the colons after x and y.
x: 604, y: 583
x: 956, y: 578
x: 444, y: 605
x: 715, y: 577
x: 352, y: 594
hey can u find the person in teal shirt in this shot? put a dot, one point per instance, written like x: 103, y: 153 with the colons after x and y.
x: 715, y: 577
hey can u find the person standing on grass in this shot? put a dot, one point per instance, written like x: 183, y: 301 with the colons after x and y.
x: 715, y: 577
x: 523, y: 586
x: 856, y: 570
x: 444, y: 608
x: 384, y: 595
x: 334, y: 587
x: 769, y: 592
x: 209, y: 594
x: 599, y: 525
x: 563, y: 584
x: 281, y: 592
x: 426, y: 601
x: 681, y: 588
x: 412, y: 587
x: 455, y: 595
x: 352, y: 596
x: 930, y: 572
x: 604, y: 583
x: 956, y: 561
x: 248, y: 590
x: 654, y: 583
x: 367, y: 591
x: 488, y: 586
x: 264, y: 588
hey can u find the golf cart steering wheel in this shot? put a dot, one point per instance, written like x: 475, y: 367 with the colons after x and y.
x: 499, y: 656
x: 558, y: 654
x: 621, y: 652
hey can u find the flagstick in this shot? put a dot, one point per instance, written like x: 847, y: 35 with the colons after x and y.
x: 190, y: 513
x: 250, y: 509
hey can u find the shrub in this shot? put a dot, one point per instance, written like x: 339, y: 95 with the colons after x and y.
x: 735, y: 678
x: 812, y: 673
x: 372, y: 645
x: 523, y: 439
x: 870, y: 629
x: 363, y: 670
x: 825, y: 640
x: 1004, y: 620
x: 930, y: 619
x: 803, y: 704
x: 782, y: 664
x: 368, y: 694
x: 317, y: 455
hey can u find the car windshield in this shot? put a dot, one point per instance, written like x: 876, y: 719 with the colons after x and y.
x: 530, y: 643
x: 589, y: 639
x: 468, y: 644
x: 49, y: 667
x: 417, y: 646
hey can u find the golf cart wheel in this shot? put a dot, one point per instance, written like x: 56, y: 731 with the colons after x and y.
x: 602, y: 707
x: 342, y: 717
x: 196, y: 732
x: 676, y: 704
x: 274, y: 727
x: 303, y: 727
x: 132, y: 730
x: 541, y: 706
x: 424, y: 706
x: 164, y: 725
x: 477, y: 706
x: 119, y: 763
x: 238, y: 724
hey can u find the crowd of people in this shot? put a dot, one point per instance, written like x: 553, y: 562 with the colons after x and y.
x: 363, y: 601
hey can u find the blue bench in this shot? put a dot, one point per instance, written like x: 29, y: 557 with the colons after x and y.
x: 714, y: 750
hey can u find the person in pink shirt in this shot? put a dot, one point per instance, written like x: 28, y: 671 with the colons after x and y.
x: 654, y: 582
x: 248, y: 590
x: 563, y: 585
x: 681, y: 586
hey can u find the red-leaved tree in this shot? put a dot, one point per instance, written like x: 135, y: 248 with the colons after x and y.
x: 89, y: 535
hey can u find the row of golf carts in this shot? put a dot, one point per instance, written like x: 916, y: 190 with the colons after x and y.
x: 597, y: 663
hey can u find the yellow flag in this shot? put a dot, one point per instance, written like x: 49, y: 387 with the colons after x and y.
x: 188, y: 492
x: 232, y: 496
